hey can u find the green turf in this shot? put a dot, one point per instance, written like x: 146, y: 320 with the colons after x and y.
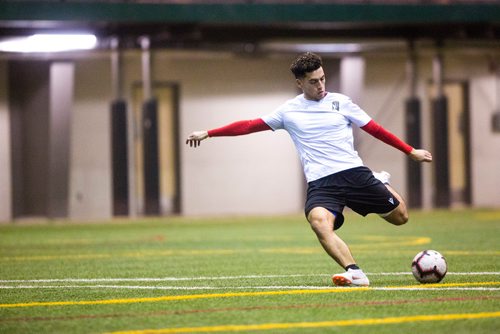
x: 221, y: 259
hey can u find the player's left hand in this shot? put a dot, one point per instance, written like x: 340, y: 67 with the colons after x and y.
x: 196, y: 137
x: 421, y: 155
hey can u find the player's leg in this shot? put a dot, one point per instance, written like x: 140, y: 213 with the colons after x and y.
x: 322, y: 223
x: 399, y: 215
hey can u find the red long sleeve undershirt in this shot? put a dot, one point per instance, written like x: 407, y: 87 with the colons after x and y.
x: 256, y: 125
x: 240, y: 128
x: 377, y: 131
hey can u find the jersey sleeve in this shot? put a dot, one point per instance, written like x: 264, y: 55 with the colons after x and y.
x: 354, y: 113
x: 275, y: 119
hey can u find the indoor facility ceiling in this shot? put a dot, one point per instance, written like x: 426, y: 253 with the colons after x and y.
x: 259, y: 26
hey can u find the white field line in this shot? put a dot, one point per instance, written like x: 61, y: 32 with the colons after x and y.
x: 157, y: 279
x: 277, y: 287
x: 213, y: 278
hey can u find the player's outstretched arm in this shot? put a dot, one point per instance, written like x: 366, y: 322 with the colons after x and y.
x: 420, y: 155
x: 234, y: 129
x: 195, y: 138
x: 387, y: 137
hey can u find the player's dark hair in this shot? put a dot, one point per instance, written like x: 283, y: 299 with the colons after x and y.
x: 305, y: 63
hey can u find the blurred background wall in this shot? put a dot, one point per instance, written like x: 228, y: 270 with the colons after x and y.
x: 198, y: 89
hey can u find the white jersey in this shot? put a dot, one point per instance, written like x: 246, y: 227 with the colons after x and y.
x: 321, y: 131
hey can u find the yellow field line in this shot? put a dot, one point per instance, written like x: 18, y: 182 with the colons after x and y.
x: 56, y: 257
x: 139, y: 254
x: 390, y: 242
x: 181, y: 297
x: 455, y: 252
x: 187, y: 252
x: 337, y: 323
x: 445, y: 285
x: 381, y: 241
x: 232, y: 294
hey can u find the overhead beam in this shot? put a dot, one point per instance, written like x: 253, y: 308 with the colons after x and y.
x: 245, y: 13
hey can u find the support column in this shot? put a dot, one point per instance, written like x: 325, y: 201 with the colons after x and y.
x: 60, y: 104
x: 413, y: 131
x: 332, y: 72
x: 119, y: 140
x: 352, y: 77
x: 440, y: 136
x: 150, y: 136
x: 5, y: 149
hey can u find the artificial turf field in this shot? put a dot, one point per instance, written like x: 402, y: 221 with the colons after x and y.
x: 250, y: 275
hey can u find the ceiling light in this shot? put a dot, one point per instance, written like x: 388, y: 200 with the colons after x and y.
x: 332, y: 47
x: 49, y: 43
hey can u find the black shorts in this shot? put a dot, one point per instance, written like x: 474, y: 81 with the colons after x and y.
x: 355, y: 188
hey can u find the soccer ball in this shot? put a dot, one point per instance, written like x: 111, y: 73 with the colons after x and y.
x: 429, y: 266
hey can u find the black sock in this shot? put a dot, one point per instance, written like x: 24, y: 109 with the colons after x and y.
x: 351, y: 266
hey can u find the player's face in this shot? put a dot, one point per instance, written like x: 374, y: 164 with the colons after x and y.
x: 313, y: 85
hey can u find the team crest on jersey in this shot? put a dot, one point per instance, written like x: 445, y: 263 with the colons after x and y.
x: 336, y: 105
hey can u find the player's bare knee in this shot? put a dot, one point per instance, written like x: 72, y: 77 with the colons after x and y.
x: 320, y: 221
x: 400, y: 218
x: 406, y: 217
x: 397, y: 217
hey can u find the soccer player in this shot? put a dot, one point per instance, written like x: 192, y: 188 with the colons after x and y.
x: 320, y: 125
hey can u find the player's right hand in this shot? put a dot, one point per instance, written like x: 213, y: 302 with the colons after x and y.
x: 195, y: 138
x: 421, y: 155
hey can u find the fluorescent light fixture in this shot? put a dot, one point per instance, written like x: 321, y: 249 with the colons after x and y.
x: 333, y: 47
x: 313, y: 47
x: 49, y: 43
